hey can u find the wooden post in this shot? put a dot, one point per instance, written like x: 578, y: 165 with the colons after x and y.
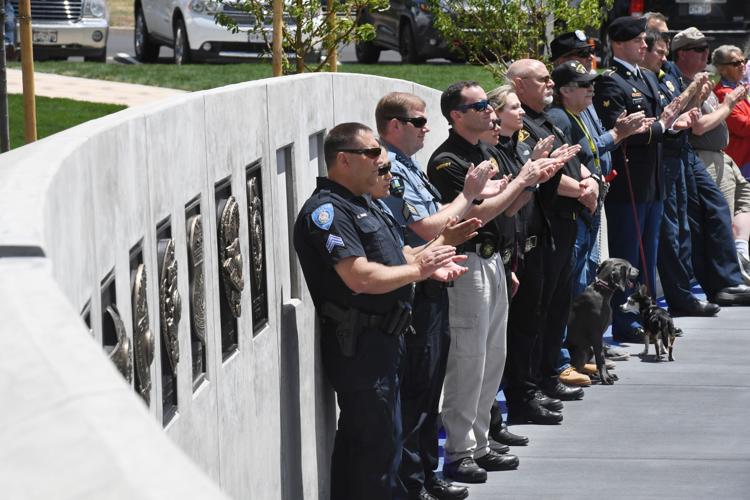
x: 27, y: 71
x: 278, y: 26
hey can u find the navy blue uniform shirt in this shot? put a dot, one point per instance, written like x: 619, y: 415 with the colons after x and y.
x: 334, y: 225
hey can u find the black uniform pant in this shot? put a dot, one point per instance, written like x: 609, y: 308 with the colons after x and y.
x: 423, y: 374
x: 714, y: 252
x: 556, y: 298
x: 367, y: 447
x: 523, y: 328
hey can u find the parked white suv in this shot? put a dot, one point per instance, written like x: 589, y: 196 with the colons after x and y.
x: 62, y: 28
x: 189, y: 26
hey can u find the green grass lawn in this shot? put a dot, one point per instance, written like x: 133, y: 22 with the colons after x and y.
x: 205, y: 76
x: 53, y: 115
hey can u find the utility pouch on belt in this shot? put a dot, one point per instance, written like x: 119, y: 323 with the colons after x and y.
x: 398, y: 320
x: 347, y: 330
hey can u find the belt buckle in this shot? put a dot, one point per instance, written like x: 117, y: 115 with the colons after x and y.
x: 487, y: 249
x: 507, y: 254
x: 529, y: 244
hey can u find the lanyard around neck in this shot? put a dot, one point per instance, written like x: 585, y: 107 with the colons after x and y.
x: 592, y: 145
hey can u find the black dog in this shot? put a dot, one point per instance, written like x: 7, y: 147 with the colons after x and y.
x: 657, y: 323
x: 591, y: 314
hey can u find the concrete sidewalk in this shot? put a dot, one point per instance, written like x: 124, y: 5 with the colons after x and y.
x: 85, y: 89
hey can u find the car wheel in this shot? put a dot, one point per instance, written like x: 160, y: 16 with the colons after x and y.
x: 146, y: 50
x: 366, y: 52
x: 181, y: 44
x: 101, y: 57
x: 408, y: 46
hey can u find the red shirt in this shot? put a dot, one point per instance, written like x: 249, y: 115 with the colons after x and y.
x: 738, y: 123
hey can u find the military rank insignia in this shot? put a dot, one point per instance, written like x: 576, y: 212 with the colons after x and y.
x: 443, y: 165
x: 605, y: 103
x: 333, y: 242
x: 323, y: 216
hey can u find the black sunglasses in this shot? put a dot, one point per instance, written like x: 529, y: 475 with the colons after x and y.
x: 736, y: 64
x: 582, y: 85
x: 368, y: 152
x: 476, y: 106
x: 417, y: 121
x: 384, y: 169
x: 702, y: 48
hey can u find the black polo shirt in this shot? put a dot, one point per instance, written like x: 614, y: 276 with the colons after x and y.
x: 334, y: 225
x: 537, y: 126
x: 448, y: 176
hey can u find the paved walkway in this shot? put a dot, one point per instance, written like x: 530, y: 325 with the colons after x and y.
x: 85, y: 89
x: 665, y: 430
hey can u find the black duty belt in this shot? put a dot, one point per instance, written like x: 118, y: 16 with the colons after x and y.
x: 486, y: 250
x: 530, y: 243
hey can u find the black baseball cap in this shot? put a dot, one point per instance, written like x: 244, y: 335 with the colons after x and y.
x: 572, y: 72
x: 626, y: 28
x: 568, y: 42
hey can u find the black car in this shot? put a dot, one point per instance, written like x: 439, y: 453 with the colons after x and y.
x: 406, y: 27
x: 727, y: 21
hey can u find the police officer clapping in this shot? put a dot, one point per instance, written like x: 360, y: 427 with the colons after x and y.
x: 361, y: 284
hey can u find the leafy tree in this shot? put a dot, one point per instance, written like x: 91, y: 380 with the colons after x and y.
x: 309, y: 26
x: 495, y: 32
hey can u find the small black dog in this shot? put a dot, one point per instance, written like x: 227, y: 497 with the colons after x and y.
x: 657, y: 323
x: 591, y: 314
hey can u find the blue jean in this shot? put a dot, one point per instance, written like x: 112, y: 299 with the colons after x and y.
x: 585, y: 261
x: 624, y: 244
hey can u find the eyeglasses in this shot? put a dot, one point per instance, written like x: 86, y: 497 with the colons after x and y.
x: 476, y: 106
x: 541, y: 79
x: 702, y: 48
x: 417, y: 121
x: 496, y: 123
x: 368, y: 152
x: 736, y: 64
x: 384, y: 169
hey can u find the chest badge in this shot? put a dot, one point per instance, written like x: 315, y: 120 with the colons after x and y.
x: 523, y: 135
x: 323, y: 216
x: 670, y: 86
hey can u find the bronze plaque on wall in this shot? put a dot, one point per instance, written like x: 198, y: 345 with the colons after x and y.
x: 258, y: 287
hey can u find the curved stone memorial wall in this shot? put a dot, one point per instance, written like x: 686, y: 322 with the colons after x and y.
x: 150, y: 297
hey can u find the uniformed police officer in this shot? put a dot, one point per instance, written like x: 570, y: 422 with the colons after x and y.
x: 479, y: 300
x: 574, y: 193
x: 415, y: 204
x: 361, y: 284
x: 639, y: 187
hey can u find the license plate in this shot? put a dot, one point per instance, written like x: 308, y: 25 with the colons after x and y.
x: 699, y: 9
x: 44, y: 36
x: 256, y: 37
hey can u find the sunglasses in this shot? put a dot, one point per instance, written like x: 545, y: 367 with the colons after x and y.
x: 417, y: 121
x: 702, y: 48
x: 368, y: 152
x: 540, y: 79
x: 476, y: 106
x: 496, y: 123
x: 384, y: 169
x: 736, y: 64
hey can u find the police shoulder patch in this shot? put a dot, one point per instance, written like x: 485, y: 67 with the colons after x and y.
x: 323, y: 216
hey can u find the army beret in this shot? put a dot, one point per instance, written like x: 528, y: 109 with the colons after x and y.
x: 626, y: 28
x: 568, y: 42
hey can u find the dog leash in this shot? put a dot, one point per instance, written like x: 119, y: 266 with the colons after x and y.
x: 635, y: 218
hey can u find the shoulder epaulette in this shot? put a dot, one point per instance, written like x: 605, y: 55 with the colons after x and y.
x: 608, y: 72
